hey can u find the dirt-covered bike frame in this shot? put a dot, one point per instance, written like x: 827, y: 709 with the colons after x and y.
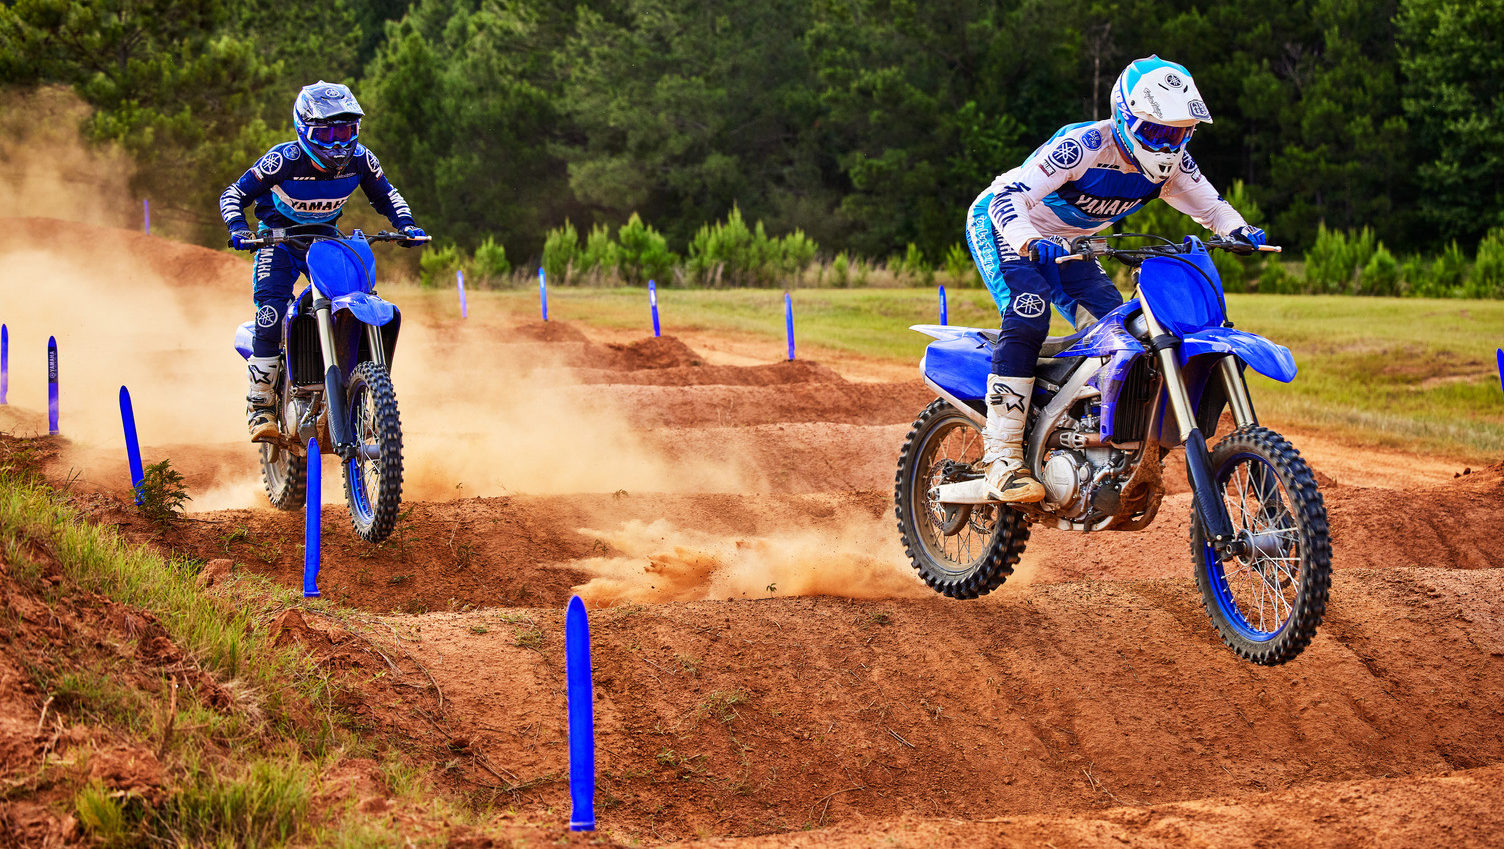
x: 338, y: 340
x: 1109, y: 402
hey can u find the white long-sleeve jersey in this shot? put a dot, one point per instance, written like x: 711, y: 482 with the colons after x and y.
x: 1080, y: 182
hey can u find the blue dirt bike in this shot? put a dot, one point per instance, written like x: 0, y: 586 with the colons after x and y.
x: 1109, y: 402
x: 338, y: 340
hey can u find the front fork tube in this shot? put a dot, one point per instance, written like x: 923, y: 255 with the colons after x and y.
x: 1237, y: 392
x: 1198, y: 462
x: 334, y: 384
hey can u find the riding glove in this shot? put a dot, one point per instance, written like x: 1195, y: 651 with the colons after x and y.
x: 240, y: 240
x: 413, y: 233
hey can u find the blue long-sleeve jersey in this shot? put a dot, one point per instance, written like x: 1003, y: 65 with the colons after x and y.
x: 288, y: 189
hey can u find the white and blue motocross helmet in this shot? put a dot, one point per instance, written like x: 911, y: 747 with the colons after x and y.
x: 327, y: 119
x: 1155, y: 109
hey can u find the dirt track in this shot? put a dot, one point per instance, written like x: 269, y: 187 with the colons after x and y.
x: 765, y: 661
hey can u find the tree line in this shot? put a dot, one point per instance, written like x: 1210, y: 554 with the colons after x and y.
x: 864, y: 126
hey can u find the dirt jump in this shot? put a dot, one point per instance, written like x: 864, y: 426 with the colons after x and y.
x: 768, y: 669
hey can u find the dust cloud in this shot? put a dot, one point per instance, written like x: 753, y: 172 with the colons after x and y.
x: 483, y: 416
x: 47, y: 170
x: 664, y: 563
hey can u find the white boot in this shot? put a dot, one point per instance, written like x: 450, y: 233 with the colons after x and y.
x: 261, y: 398
x: 1003, y: 440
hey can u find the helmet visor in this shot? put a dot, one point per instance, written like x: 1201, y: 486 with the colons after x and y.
x: 1161, y: 138
x: 340, y: 132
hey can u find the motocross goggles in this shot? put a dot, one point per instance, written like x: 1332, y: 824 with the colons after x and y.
x: 1159, y: 138
x: 337, y: 132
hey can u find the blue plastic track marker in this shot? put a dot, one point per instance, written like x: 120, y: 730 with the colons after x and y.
x: 132, y: 446
x: 543, y: 292
x: 788, y: 319
x: 52, y: 384
x: 943, y: 319
x: 653, y: 302
x: 4, y: 362
x: 313, y: 500
x: 1501, y: 376
x: 581, y: 717
x: 146, y: 215
x: 459, y: 280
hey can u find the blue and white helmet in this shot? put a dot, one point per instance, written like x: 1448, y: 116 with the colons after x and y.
x: 327, y: 119
x: 1155, y: 108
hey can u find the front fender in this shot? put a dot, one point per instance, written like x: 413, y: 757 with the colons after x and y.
x: 1263, y: 356
x: 245, y: 338
x: 368, y: 308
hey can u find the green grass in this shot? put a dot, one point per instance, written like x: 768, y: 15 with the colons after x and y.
x: 241, y: 774
x: 1403, y: 372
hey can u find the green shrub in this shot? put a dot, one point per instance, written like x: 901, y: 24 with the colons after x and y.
x: 959, y: 266
x: 490, y: 261
x: 161, y: 495
x: 436, y: 263
x: 840, y: 271
x: 599, y: 254
x: 1276, y: 279
x: 729, y: 253
x: 798, y: 251
x: 1381, y: 274
x: 1335, y: 261
x: 1412, y: 274
x: 915, y: 267
x: 1487, y: 277
x: 560, y: 249
x: 643, y: 253
x: 1444, y: 277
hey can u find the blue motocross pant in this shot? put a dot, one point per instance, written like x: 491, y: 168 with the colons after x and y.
x: 1023, y: 292
x: 277, y: 269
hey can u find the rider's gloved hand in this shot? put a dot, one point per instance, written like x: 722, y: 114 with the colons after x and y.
x: 240, y: 240
x: 1252, y: 235
x: 1045, y: 252
x: 413, y: 232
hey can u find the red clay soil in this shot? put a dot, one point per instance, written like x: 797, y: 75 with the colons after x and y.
x: 767, y: 668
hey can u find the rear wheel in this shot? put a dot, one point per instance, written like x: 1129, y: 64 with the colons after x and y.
x: 1267, y: 601
x: 285, y: 477
x: 284, y: 474
x: 373, y: 477
x: 961, y: 551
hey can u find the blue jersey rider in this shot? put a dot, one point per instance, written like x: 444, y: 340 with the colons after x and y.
x: 1081, y: 181
x: 305, y: 181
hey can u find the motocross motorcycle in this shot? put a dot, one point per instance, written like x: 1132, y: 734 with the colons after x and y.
x: 338, y: 339
x: 1109, y: 402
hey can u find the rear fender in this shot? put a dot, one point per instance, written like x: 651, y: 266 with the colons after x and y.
x: 244, y: 337
x: 958, y: 361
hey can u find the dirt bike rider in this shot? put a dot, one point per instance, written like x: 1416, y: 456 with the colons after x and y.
x: 305, y: 181
x: 1083, y: 179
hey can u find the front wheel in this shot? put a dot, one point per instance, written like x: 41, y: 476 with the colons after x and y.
x: 373, y: 476
x: 961, y: 551
x: 1268, y: 600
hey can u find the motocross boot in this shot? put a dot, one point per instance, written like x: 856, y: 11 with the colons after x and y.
x: 1008, y: 479
x: 261, y: 397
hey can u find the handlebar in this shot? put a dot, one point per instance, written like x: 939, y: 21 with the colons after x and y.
x: 1091, y: 247
x: 308, y: 235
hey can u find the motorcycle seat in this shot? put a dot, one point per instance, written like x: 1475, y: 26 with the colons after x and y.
x: 1052, y: 346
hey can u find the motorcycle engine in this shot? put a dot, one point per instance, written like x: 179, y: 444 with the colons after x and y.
x: 1073, y: 475
x: 1065, y: 474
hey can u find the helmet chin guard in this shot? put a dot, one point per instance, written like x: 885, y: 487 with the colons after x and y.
x: 1155, y: 109
x: 327, y: 119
